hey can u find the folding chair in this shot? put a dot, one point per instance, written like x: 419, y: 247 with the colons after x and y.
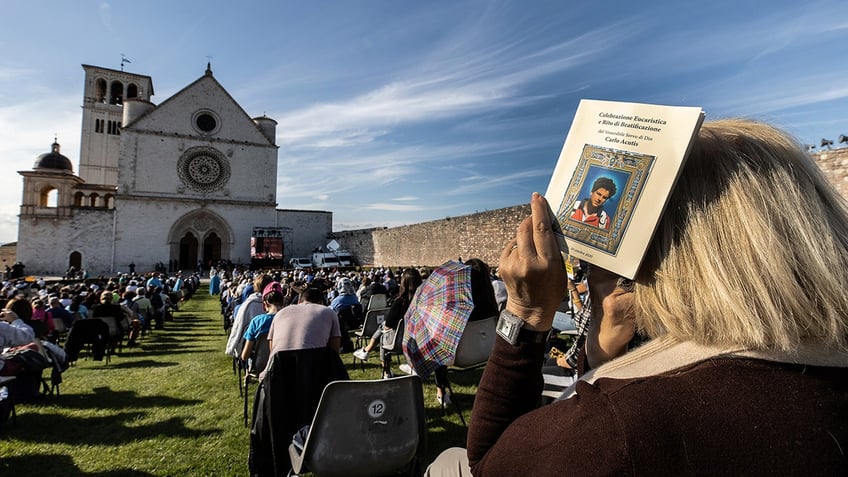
x: 238, y: 368
x: 373, y: 319
x: 393, y: 345
x: 389, y: 413
x: 60, y: 330
x: 375, y: 302
x: 116, y: 336
x: 474, y: 348
x: 286, y: 401
x: 256, y: 364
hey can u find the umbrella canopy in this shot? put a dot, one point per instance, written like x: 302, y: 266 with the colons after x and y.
x: 437, y: 317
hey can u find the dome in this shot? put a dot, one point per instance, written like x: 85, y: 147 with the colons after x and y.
x: 54, y: 160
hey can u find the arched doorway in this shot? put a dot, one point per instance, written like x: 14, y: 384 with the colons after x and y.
x: 200, y: 235
x: 75, y: 260
x: 188, y: 251
x: 211, y: 249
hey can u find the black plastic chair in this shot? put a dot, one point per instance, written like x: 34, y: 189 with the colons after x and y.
x: 373, y: 320
x: 392, y: 343
x: 473, y: 350
x: 389, y: 412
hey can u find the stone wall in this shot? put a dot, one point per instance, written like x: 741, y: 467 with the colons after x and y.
x: 482, y: 235
x: 359, y: 242
x: 834, y: 163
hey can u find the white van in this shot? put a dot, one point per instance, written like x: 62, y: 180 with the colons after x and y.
x: 325, y: 260
x: 345, y: 258
x: 300, y: 263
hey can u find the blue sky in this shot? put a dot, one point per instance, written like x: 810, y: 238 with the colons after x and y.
x: 397, y: 112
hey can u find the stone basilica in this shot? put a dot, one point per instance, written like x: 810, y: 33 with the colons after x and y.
x: 191, y: 179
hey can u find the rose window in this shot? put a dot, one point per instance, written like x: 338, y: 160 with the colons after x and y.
x: 203, y: 169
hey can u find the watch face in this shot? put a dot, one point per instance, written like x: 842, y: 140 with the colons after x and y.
x: 505, y: 327
x: 203, y: 169
x: 509, y: 327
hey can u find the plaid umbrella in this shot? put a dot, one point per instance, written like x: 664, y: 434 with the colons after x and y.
x: 437, y: 317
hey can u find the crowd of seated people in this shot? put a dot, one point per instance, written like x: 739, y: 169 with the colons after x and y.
x: 61, y: 319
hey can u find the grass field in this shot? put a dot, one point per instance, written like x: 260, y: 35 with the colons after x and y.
x: 170, y: 407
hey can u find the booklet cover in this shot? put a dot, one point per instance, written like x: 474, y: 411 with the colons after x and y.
x: 611, y: 183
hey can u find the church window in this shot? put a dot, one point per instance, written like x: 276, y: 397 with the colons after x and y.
x: 100, y: 90
x: 92, y: 200
x: 206, y: 122
x: 132, y: 91
x: 116, y: 93
x: 203, y: 169
x: 78, y: 199
x: 98, y: 125
x: 114, y: 127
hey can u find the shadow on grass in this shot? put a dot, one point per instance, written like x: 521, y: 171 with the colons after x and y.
x: 162, y: 349
x: 145, y: 363
x: 110, y: 430
x: 57, y: 464
x: 105, y: 398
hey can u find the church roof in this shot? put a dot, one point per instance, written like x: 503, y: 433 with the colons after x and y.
x: 53, y: 160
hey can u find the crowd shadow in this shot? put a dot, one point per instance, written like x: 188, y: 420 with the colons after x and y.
x: 111, y: 430
x: 164, y: 350
x: 145, y: 363
x: 58, y: 464
x: 106, y: 398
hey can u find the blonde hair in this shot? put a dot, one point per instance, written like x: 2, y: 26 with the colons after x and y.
x: 751, y: 249
x: 261, y: 281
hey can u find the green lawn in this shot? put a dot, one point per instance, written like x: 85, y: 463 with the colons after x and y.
x: 169, y: 407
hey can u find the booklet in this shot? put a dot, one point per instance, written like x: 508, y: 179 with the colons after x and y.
x: 613, y: 178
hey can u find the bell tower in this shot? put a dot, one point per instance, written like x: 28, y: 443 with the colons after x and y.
x: 104, y: 93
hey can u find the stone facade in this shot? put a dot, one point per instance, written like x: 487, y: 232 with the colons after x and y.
x: 176, y: 183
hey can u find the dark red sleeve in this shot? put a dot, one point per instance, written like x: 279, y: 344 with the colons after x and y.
x: 509, y: 436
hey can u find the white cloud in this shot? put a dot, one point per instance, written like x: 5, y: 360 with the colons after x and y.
x: 105, y: 13
x: 457, y: 80
x: 498, y: 181
x: 395, y: 207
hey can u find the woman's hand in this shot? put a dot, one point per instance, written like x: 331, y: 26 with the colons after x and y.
x: 533, y: 270
x: 613, y: 321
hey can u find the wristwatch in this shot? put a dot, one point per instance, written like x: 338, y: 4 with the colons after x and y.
x: 511, y: 329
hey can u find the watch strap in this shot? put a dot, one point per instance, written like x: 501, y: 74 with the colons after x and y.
x: 532, y: 336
